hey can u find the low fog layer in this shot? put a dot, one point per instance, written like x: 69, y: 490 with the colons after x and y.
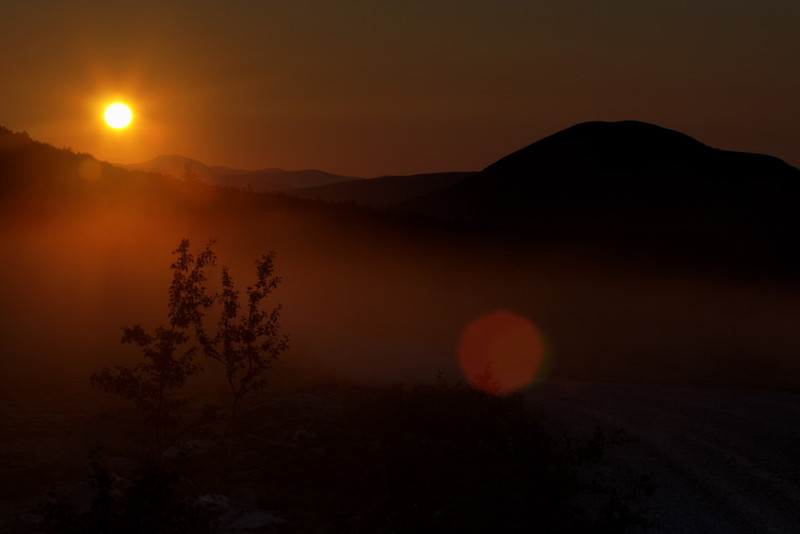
x: 364, y: 294
x: 379, y: 302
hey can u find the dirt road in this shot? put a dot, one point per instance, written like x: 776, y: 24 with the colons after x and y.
x: 725, y: 460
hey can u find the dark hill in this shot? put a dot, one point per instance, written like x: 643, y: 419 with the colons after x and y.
x: 40, y: 175
x: 629, y: 181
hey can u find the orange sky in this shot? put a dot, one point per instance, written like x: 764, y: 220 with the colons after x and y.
x: 367, y: 88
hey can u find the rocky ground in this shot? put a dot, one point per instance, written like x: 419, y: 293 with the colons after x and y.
x: 337, y: 457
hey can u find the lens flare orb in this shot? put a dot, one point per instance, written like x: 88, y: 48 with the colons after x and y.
x: 118, y: 115
x: 501, y: 352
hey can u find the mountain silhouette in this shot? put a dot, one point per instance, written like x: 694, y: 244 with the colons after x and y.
x: 626, y: 180
x: 265, y: 180
x: 633, y: 186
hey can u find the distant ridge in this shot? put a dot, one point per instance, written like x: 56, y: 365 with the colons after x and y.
x: 173, y: 165
x: 382, y: 191
x: 264, y: 180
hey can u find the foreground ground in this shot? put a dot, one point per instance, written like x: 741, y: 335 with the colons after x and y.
x: 325, y: 455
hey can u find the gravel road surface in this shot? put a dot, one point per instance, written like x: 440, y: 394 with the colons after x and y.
x: 725, y: 460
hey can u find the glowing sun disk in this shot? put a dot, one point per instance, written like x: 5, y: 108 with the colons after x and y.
x: 118, y: 115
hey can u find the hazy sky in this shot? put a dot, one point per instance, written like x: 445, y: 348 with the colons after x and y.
x: 364, y: 87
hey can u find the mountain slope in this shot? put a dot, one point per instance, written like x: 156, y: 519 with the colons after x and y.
x: 270, y: 180
x: 381, y: 191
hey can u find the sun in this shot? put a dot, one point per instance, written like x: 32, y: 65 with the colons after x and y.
x: 118, y: 115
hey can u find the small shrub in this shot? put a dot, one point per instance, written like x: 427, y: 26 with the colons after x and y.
x: 247, y: 339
